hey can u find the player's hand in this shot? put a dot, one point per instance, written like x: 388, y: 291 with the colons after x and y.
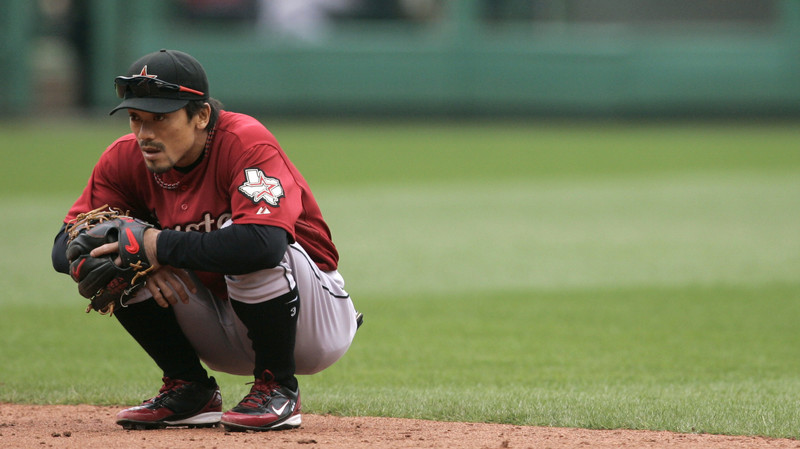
x: 150, y: 238
x: 169, y: 285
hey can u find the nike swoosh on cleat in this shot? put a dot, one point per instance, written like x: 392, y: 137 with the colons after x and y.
x: 133, y: 246
x: 280, y: 410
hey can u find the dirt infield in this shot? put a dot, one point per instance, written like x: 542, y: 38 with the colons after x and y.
x: 86, y: 426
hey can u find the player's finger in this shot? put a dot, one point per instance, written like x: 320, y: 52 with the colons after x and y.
x: 102, y: 250
x: 187, y: 280
x: 166, y: 289
x: 155, y: 291
x: 176, y: 287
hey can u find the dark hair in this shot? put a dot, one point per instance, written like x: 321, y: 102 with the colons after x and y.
x: 195, y: 106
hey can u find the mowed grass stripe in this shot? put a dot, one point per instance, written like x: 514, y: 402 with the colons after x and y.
x: 332, y: 154
x: 667, y: 230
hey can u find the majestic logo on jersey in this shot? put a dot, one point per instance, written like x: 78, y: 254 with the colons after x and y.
x: 144, y: 73
x: 259, y: 187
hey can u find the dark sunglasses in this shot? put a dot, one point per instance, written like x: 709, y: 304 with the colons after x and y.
x: 144, y: 86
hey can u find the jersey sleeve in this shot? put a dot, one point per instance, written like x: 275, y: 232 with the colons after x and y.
x: 264, y: 190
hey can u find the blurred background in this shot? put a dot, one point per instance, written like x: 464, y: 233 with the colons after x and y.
x: 474, y: 58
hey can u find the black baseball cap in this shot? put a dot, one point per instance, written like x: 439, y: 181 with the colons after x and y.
x: 162, y: 82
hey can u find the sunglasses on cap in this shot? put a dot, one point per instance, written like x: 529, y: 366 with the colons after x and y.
x: 145, y: 86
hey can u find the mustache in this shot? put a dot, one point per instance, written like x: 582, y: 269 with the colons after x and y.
x: 151, y: 144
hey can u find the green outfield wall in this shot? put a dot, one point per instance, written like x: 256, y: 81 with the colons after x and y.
x: 457, y: 65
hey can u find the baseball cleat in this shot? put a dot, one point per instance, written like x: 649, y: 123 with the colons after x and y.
x: 268, y: 406
x: 178, y: 403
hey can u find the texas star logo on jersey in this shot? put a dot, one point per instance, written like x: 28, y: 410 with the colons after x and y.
x: 258, y: 187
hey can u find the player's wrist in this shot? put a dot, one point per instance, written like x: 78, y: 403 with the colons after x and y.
x: 151, y: 246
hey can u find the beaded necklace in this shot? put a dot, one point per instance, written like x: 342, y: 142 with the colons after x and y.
x: 174, y: 185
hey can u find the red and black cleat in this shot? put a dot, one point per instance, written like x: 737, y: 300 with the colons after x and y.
x: 268, y: 406
x: 179, y: 403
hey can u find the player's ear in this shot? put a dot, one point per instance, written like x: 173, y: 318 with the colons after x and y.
x: 203, y: 116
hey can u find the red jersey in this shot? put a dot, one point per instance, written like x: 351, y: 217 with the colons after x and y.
x: 245, y: 176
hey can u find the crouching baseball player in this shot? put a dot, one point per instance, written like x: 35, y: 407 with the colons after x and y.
x: 203, y: 239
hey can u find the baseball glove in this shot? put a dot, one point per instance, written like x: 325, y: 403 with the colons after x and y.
x: 105, y: 283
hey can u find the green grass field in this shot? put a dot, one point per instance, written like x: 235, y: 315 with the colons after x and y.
x: 598, y: 275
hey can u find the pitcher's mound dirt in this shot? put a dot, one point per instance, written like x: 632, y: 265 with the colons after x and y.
x: 87, y: 426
